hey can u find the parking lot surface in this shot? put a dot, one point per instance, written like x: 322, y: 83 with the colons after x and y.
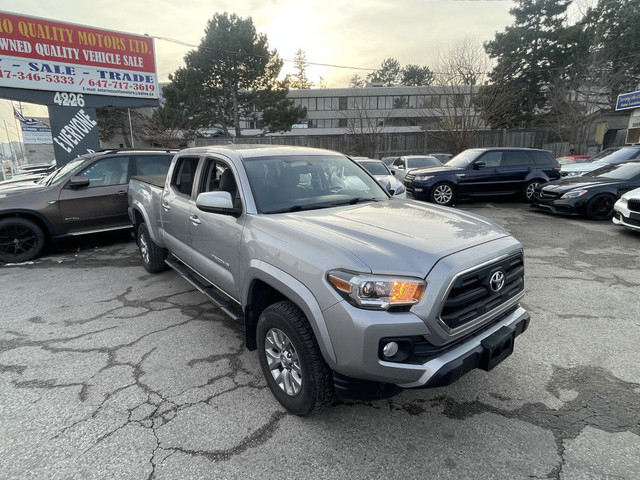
x: 107, y: 371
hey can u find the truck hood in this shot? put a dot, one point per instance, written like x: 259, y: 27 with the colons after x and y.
x: 390, y: 237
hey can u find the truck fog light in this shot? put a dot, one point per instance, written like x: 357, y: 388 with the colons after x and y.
x: 390, y: 349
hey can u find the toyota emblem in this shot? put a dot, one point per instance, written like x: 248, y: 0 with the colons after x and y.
x: 497, y: 281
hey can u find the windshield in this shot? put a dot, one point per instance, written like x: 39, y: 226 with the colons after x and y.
x: 419, y: 162
x: 293, y: 183
x: 621, y: 171
x: 375, y: 168
x: 64, y: 172
x: 614, y: 155
x: 463, y: 159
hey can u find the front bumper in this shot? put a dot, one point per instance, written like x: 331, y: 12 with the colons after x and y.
x: 625, y: 217
x: 419, y: 188
x: 570, y: 206
x: 363, y: 359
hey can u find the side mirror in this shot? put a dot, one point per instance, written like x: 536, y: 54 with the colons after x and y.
x: 79, y: 182
x: 217, y: 202
x: 386, y: 184
x: 393, y: 172
x: 479, y: 164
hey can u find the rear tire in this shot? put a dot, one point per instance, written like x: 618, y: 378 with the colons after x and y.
x: 600, y: 207
x: 291, y: 360
x: 443, y: 194
x: 21, y: 240
x: 529, y: 188
x: 152, y: 255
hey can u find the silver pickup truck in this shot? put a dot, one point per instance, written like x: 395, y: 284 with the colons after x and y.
x: 341, y: 289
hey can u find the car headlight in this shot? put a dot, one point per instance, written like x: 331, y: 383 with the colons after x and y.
x: 421, y: 176
x: 574, y: 174
x: 623, y: 200
x: 377, y: 292
x: 574, y: 194
x: 399, y: 190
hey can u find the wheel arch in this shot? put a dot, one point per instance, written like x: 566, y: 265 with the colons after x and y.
x: 35, y: 217
x: 267, y: 285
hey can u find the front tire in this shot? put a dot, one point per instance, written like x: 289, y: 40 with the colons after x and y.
x: 291, y: 360
x: 152, y: 255
x: 21, y: 240
x: 443, y: 194
x: 600, y: 207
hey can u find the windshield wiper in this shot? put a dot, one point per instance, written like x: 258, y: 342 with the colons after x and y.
x: 298, y: 208
x: 355, y: 200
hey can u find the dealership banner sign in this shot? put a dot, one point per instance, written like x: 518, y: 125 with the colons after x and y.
x: 42, y: 54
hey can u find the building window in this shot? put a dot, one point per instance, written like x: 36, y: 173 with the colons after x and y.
x: 342, y: 122
x: 342, y: 103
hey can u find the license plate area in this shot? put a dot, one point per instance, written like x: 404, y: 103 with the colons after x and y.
x: 497, y: 347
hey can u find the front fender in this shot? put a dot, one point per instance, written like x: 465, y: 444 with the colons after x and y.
x: 298, y: 293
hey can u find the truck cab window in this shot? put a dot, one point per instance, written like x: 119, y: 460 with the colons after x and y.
x: 184, y: 175
x: 218, y: 177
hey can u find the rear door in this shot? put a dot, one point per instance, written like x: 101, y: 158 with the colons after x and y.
x: 175, y: 206
x: 513, y: 171
x: 215, y: 237
x: 103, y: 204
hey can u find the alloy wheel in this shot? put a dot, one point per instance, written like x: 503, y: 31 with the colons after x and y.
x: 283, y: 361
x: 16, y: 240
x: 443, y: 194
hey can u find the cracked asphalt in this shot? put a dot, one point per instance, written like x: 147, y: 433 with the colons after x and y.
x: 107, y: 371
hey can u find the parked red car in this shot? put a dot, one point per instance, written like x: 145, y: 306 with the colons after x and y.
x: 567, y: 159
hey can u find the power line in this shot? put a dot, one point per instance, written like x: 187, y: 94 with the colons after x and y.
x: 180, y: 42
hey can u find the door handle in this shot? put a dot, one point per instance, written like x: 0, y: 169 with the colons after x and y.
x: 121, y: 193
x: 195, y: 220
x: 166, y: 206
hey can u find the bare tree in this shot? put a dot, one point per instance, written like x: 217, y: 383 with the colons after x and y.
x: 578, y: 96
x: 169, y: 128
x: 365, y: 126
x: 461, y: 94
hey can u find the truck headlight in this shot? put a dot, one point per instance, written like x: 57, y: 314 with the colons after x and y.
x: 574, y: 194
x: 378, y: 292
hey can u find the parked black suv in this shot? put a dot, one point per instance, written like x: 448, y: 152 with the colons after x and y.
x: 87, y: 195
x: 480, y: 172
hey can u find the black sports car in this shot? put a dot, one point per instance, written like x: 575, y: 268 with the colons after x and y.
x: 591, y: 195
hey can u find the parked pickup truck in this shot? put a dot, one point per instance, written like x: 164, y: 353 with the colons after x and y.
x: 341, y: 289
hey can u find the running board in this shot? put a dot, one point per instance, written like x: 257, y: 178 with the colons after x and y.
x: 211, y: 292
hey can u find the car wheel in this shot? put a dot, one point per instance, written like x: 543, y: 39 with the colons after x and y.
x: 291, y: 360
x: 152, y: 255
x: 443, y: 194
x: 529, y: 188
x: 21, y: 240
x: 600, y: 207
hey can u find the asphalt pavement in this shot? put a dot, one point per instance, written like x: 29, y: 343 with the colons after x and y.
x: 107, y: 371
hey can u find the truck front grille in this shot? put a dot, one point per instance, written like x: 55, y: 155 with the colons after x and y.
x: 476, y: 294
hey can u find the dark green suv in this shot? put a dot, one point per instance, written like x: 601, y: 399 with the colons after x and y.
x: 87, y: 195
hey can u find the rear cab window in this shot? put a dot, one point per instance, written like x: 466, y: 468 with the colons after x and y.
x: 184, y: 175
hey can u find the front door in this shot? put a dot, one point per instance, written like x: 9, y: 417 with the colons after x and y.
x: 215, y: 237
x: 100, y: 206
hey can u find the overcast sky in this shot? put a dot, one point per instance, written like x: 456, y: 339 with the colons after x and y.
x: 355, y: 33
